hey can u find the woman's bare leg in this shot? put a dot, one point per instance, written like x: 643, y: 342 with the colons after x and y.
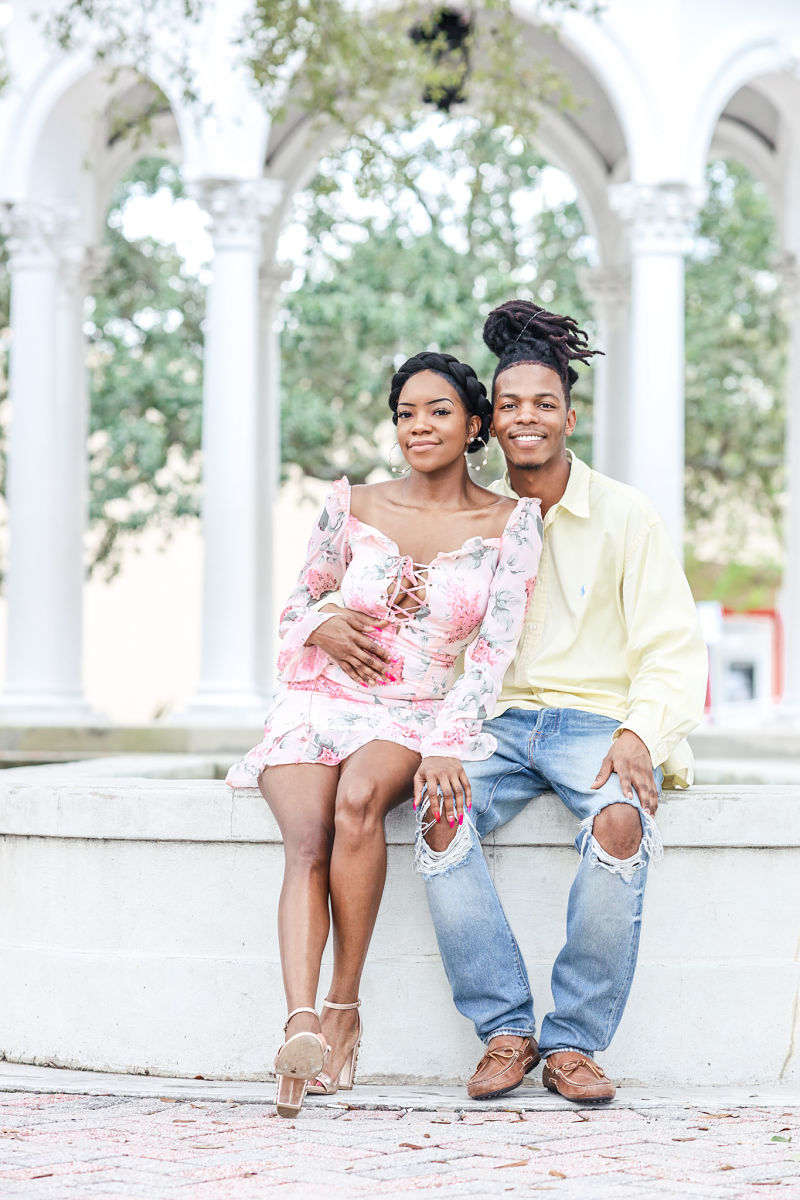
x: 374, y: 780
x: 303, y: 799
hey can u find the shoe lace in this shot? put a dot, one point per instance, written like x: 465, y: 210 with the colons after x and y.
x: 568, y: 1068
x: 503, y: 1054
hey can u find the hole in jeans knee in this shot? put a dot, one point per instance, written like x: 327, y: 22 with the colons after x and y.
x: 437, y: 847
x: 617, y: 829
x: 640, y: 833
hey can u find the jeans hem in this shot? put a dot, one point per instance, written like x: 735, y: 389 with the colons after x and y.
x: 566, y: 1049
x: 510, y: 1032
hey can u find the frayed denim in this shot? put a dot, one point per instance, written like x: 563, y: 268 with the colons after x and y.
x: 540, y: 750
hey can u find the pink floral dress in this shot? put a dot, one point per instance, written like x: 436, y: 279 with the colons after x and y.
x: 472, y: 599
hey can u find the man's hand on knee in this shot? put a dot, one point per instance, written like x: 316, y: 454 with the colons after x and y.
x: 630, y: 759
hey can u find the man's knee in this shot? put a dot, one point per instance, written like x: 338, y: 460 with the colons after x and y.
x: 618, y: 830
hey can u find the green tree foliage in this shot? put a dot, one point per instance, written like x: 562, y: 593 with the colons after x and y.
x: 465, y: 229
x: 736, y: 339
x: 318, y: 55
x: 145, y: 344
x: 462, y: 232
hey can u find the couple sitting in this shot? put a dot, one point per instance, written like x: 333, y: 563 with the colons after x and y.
x: 581, y: 646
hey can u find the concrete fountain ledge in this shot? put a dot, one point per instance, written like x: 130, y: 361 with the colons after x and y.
x: 137, y: 933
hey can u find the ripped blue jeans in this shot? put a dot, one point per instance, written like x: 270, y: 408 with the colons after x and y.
x: 558, y: 749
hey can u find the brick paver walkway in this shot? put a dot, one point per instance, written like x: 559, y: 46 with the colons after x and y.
x: 89, y: 1147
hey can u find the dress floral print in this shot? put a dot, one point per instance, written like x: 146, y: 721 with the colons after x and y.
x: 472, y: 599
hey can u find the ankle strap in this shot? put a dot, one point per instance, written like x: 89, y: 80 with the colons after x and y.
x: 342, y: 1007
x: 295, y: 1011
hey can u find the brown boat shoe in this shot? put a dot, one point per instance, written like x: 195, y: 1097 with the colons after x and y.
x: 576, y: 1077
x: 507, y: 1061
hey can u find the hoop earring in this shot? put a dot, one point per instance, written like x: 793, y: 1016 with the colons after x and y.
x: 478, y: 466
x: 397, y: 470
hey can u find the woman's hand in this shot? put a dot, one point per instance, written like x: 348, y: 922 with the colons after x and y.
x: 344, y: 638
x: 448, y: 776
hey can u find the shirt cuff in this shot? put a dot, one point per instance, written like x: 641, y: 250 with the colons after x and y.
x: 645, y: 734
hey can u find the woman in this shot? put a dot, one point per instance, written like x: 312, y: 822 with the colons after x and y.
x: 423, y: 564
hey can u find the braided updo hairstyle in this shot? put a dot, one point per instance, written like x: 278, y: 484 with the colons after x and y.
x: 460, y: 376
x: 521, y: 332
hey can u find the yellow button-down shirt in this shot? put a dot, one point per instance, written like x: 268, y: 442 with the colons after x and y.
x: 612, y: 627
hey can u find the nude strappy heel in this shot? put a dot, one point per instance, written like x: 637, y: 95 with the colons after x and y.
x: 323, y: 1085
x: 300, y: 1059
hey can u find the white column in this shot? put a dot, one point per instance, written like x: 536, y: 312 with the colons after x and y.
x: 790, y: 271
x: 658, y: 218
x: 46, y: 490
x: 271, y: 278
x: 609, y: 288
x: 230, y: 687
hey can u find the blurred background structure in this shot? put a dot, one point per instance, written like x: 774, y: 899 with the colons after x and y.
x: 219, y: 236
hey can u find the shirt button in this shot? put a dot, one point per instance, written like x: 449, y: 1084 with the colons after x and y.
x: 534, y: 626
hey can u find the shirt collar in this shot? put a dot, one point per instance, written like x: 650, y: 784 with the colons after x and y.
x: 576, y: 495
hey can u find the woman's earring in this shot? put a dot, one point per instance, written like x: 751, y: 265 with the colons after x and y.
x: 478, y: 466
x: 397, y: 469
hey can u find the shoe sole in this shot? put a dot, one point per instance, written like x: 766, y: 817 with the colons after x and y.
x: 302, y: 1057
x: 580, y: 1099
x: 504, y: 1091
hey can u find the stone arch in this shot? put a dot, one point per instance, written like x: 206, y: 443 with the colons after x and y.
x: 619, y: 77
x: 740, y: 62
x: 593, y: 147
x: 55, y: 209
x: 58, y: 120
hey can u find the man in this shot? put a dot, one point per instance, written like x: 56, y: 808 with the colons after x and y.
x: 609, y: 676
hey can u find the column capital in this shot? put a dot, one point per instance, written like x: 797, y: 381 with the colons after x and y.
x: 609, y: 289
x: 78, y: 265
x: 658, y: 216
x: 237, y: 208
x: 36, y: 232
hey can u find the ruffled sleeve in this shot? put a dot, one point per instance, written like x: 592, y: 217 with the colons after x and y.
x: 457, y: 731
x: 326, y: 561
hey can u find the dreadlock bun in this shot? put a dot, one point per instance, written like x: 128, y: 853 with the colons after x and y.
x: 520, y: 331
x: 460, y: 376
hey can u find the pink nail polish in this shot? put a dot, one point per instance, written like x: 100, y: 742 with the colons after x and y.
x: 450, y: 822
x: 461, y: 819
x: 437, y: 815
x: 392, y: 678
x: 469, y: 805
